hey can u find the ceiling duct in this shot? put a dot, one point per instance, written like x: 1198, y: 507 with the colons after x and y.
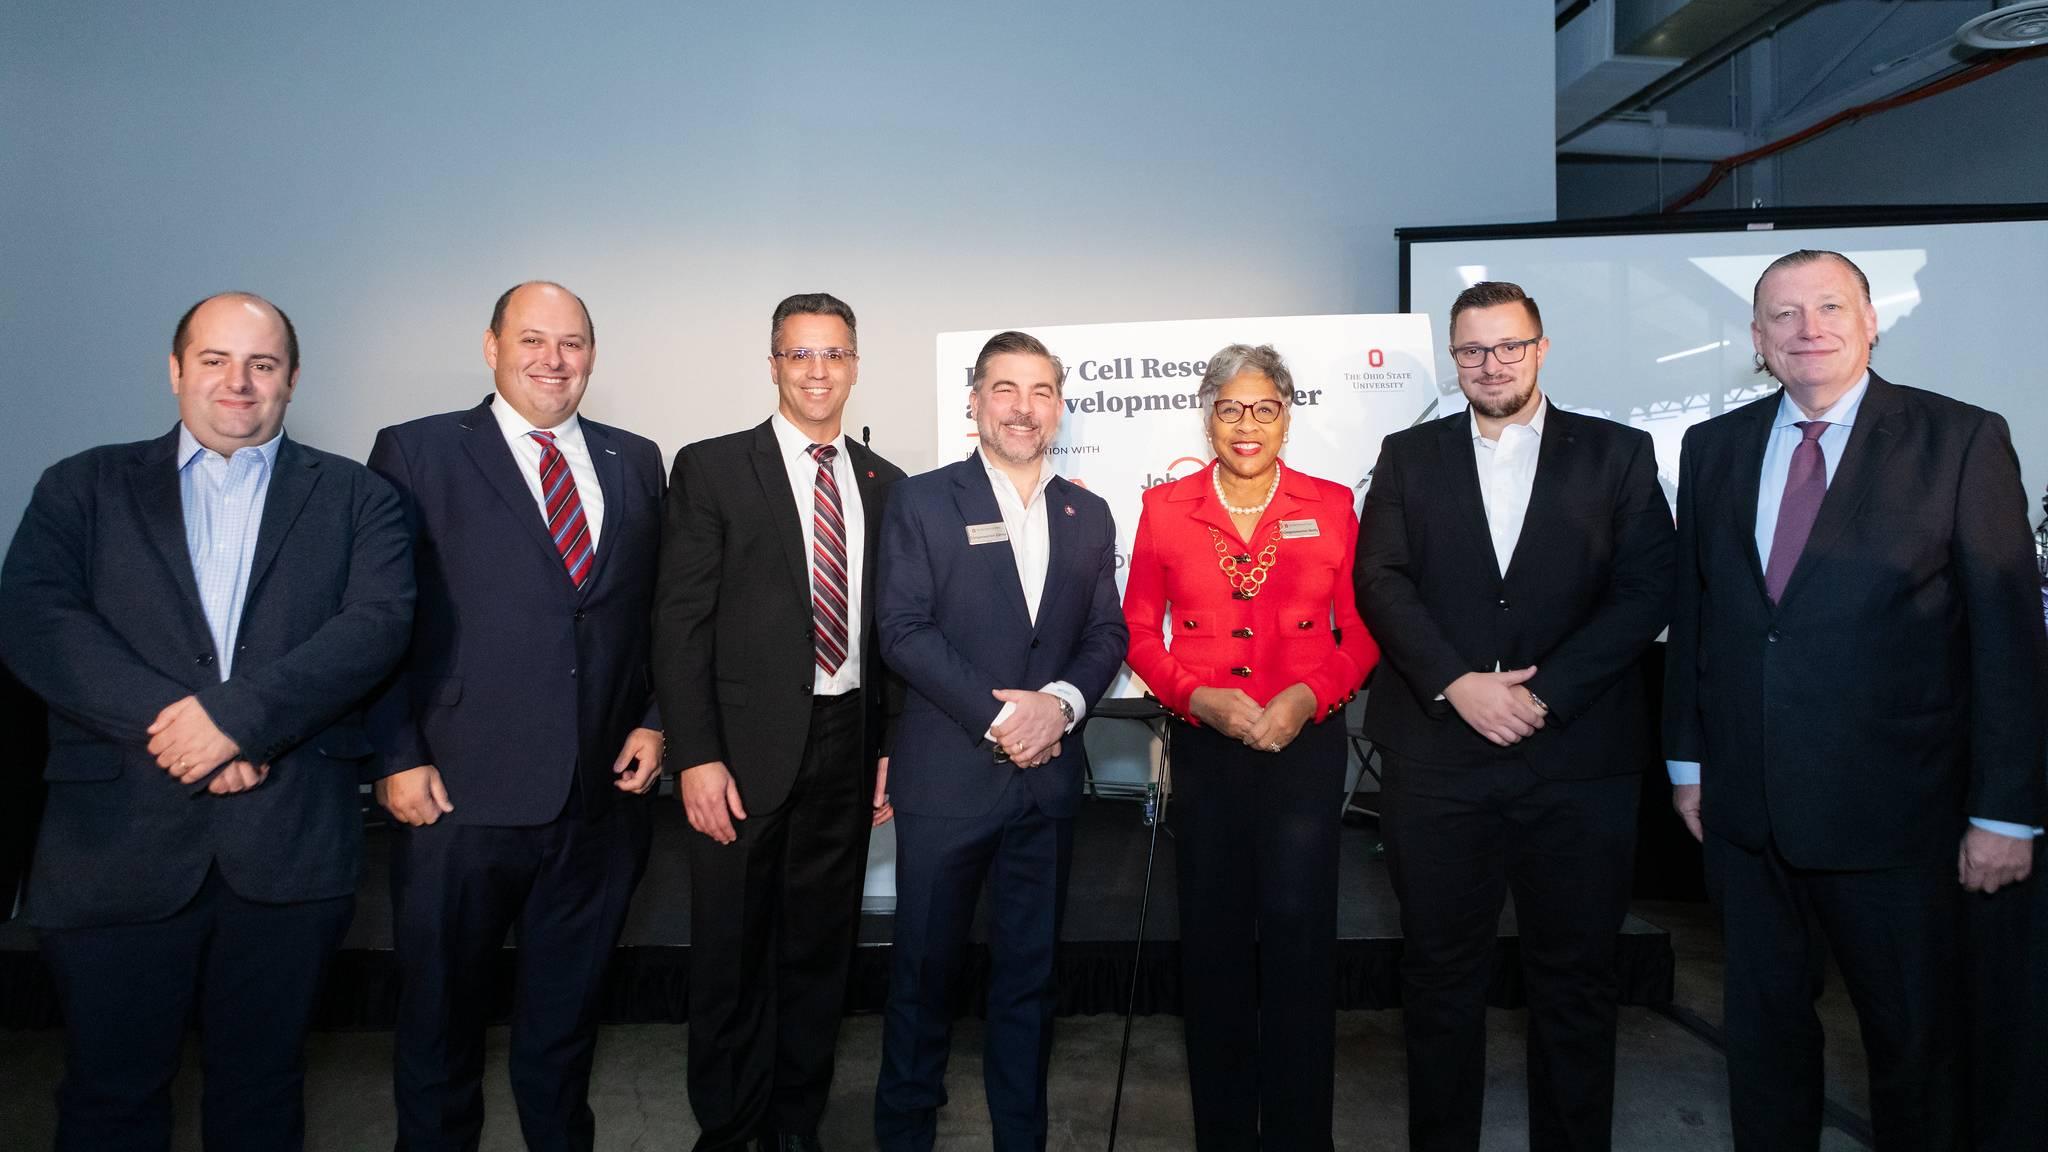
x: 1622, y: 53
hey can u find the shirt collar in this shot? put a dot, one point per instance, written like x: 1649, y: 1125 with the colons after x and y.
x: 1001, y: 480
x: 1843, y: 413
x: 793, y: 441
x: 515, y: 425
x: 1535, y: 424
x: 190, y: 447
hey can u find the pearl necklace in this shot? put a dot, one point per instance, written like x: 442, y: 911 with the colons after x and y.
x: 1216, y: 478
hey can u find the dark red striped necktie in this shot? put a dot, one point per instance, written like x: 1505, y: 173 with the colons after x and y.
x: 828, y: 563
x: 564, y: 508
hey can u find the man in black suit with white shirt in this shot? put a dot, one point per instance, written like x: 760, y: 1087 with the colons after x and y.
x: 1514, y: 562
x: 766, y: 668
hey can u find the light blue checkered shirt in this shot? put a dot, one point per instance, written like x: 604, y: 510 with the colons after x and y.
x: 223, y: 499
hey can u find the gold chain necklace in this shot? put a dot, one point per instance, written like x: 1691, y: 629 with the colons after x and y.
x: 1245, y: 583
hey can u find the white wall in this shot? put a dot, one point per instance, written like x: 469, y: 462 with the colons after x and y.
x: 384, y: 170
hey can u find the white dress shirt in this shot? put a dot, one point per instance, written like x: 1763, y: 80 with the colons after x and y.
x: 569, y: 438
x: 803, y: 484
x: 1030, y: 532
x: 1507, y: 473
x: 1770, y: 493
x: 223, y: 498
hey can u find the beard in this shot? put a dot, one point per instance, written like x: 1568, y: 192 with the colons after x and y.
x: 993, y: 444
x: 1506, y: 406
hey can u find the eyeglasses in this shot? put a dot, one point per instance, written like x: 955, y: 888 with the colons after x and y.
x: 1506, y: 352
x: 1231, y: 411
x: 833, y: 357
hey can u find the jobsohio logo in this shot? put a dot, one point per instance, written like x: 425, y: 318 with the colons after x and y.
x: 1175, y: 471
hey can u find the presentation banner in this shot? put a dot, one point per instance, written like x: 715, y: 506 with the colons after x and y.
x: 1131, y: 419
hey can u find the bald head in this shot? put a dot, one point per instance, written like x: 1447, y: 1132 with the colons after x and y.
x: 181, y: 337
x: 505, y: 301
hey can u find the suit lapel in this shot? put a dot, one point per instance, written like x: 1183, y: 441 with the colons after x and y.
x: 1462, y: 471
x: 1062, y: 525
x: 1553, y: 459
x: 611, y: 480
x: 1870, y: 440
x: 487, y: 450
x: 292, y: 480
x: 780, y: 499
x: 162, y: 507
x: 870, y: 488
x: 976, y: 500
x: 1746, y: 475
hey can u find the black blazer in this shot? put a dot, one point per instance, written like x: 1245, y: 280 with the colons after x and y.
x: 518, y: 684
x: 1586, y: 592
x: 955, y: 626
x: 1896, y: 689
x: 733, y: 662
x: 102, y: 619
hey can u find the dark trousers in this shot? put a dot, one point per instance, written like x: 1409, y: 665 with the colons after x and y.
x: 1256, y: 846
x: 562, y: 888
x: 1894, y: 936
x: 941, y: 865
x: 774, y: 920
x: 2005, y: 949
x: 251, y: 974
x: 1459, y: 837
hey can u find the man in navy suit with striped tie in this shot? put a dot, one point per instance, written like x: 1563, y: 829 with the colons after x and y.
x: 519, y: 733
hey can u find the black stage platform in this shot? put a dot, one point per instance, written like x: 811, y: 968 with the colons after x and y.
x: 650, y: 972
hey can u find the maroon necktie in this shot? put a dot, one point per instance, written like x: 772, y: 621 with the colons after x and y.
x: 1806, y: 485
x: 828, y: 563
x: 566, y: 523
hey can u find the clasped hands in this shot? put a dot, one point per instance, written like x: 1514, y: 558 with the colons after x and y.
x: 1496, y: 704
x: 1238, y: 716
x: 1030, y: 734
x: 187, y: 744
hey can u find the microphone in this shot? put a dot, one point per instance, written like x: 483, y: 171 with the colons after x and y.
x: 863, y: 435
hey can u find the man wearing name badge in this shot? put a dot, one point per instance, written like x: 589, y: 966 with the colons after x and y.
x: 765, y: 661
x: 1853, y: 704
x: 520, y: 731
x: 1514, y: 562
x: 998, y: 607
x: 204, y: 614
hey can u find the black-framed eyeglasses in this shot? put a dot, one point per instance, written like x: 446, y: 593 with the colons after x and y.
x: 831, y: 356
x: 1506, y: 352
x: 1264, y: 411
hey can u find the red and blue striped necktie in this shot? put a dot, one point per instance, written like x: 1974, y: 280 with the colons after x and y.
x: 566, y: 522
x: 828, y: 563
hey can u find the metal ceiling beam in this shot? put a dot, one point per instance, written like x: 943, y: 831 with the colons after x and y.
x: 1649, y: 138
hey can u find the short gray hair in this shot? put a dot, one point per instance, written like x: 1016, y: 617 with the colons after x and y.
x: 1237, y: 359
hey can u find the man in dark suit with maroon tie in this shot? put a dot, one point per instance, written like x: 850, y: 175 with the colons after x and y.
x: 1853, y: 703
x: 520, y: 729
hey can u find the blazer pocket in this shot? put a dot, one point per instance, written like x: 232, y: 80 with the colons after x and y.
x: 731, y: 691
x: 82, y: 763
x: 1195, y: 623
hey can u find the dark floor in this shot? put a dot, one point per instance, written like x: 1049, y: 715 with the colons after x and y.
x: 1671, y: 1089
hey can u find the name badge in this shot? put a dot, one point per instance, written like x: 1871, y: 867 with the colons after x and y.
x: 987, y: 533
x: 1299, y: 529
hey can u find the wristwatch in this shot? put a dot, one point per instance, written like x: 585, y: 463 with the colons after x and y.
x: 1066, y: 710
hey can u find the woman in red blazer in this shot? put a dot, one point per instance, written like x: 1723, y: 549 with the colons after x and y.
x: 1243, y: 625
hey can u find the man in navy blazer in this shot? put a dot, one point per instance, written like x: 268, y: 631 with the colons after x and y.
x: 518, y: 734
x: 204, y: 614
x: 998, y: 608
